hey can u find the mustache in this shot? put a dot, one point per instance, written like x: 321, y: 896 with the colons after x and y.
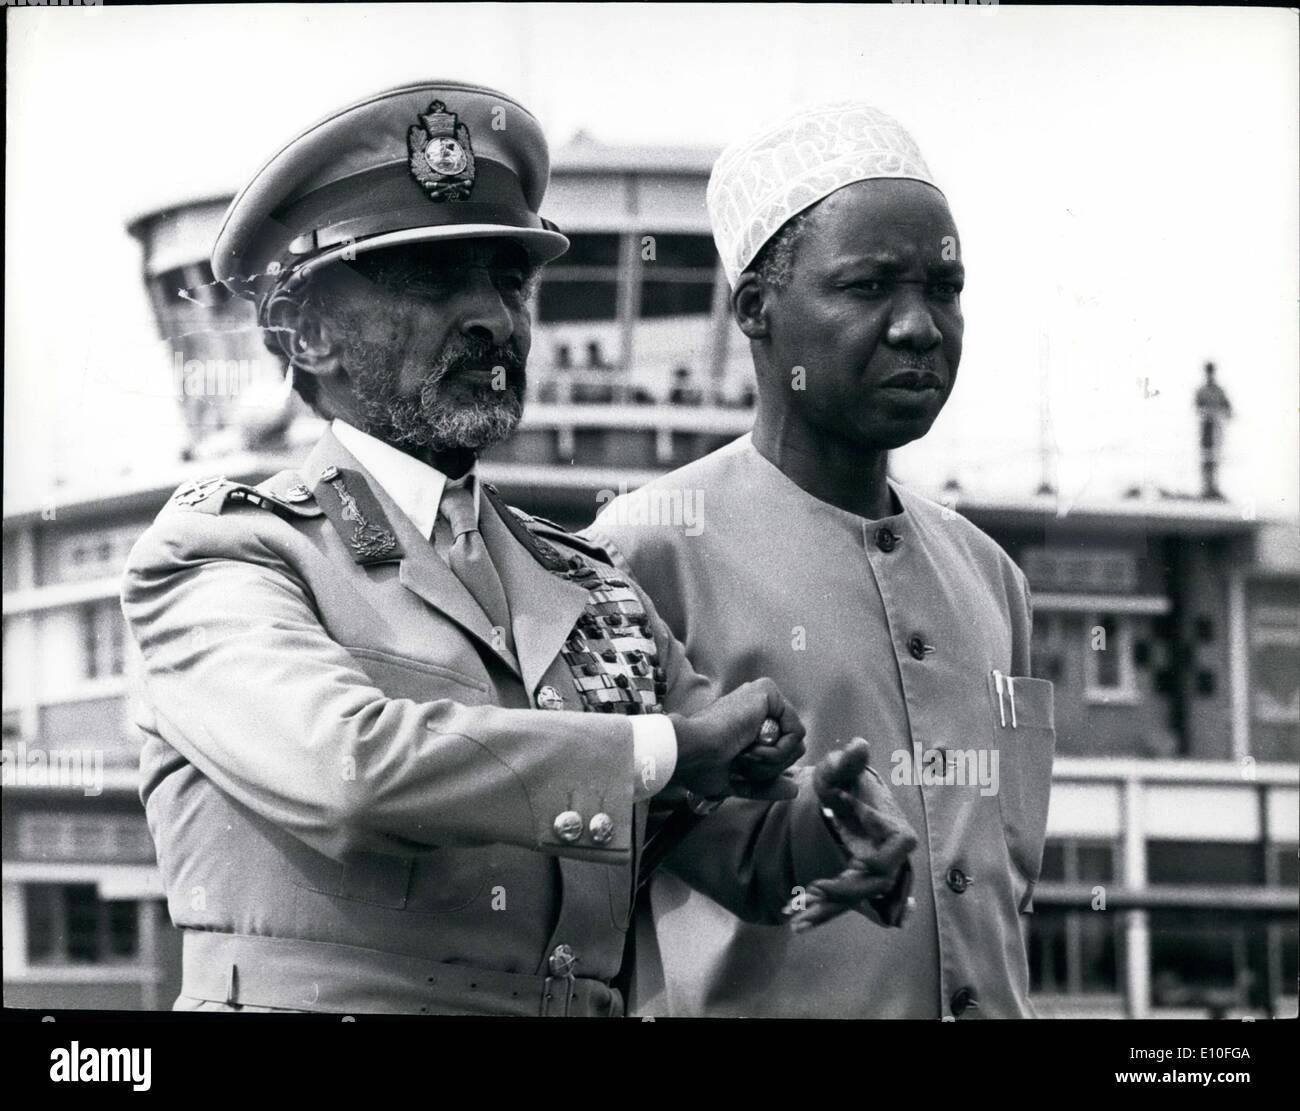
x: 462, y: 353
x: 912, y: 360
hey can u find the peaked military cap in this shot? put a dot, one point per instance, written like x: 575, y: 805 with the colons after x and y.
x: 434, y: 160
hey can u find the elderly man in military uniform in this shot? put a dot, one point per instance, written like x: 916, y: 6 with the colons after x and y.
x: 881, y: 613
x: 402, y: 741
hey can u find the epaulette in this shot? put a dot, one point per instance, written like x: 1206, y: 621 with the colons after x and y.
x: 283, y: 494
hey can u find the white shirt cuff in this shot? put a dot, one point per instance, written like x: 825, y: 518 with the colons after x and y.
x: 654, y: 754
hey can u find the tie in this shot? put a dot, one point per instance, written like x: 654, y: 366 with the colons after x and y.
x: 469, y: 560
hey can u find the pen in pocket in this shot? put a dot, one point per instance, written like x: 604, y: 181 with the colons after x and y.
x: 998, y: 678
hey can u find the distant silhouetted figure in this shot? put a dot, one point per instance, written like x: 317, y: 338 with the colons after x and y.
x: 1213, y: 409
x: 595, y: 359
x: 683, y: 393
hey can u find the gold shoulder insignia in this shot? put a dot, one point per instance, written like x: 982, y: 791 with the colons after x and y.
x: 214, y: 495
x: 288, y: 495
x: 202, y: 495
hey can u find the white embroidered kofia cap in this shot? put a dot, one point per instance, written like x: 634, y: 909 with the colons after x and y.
x: 761, y: 181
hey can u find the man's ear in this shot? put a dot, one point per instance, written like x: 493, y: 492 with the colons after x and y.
x: 749, y: 305
x: 306, y: 336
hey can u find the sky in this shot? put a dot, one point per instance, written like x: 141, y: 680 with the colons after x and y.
x: 1124, y: 181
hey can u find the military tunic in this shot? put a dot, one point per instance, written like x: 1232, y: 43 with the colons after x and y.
x: 903, y: 631
x: 357, y: 801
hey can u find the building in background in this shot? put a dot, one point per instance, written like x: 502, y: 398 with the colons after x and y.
x: 1170, y: 625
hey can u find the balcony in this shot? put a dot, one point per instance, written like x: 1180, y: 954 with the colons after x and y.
x: 1168, y: 890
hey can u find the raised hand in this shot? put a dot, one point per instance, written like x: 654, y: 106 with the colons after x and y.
x: 874, y: 832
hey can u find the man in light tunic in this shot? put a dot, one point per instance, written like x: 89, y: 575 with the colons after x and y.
x: 880, y: 613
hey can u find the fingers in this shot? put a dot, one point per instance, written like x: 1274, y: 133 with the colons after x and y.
x: 815, y: 914
x: 856, y: 818
x: 851, y: 887
x: 765, y: 761
x: 871, y: 788
x: 762, y: 761
x: 886, y: 857
x: 892, y: 855
x: 776, y: 707
x: 828, y: 899
x: 843, y: 767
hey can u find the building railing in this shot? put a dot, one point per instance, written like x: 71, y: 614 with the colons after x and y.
x: 1130, y: 803
x: 1272, y: 902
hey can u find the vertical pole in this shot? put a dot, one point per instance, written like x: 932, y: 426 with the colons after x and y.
x: 1073, y: 926
x: 147, y: 918
x: 23, y: 637
x: 629, y: 300
x: 1238, y: 664
x: 13, y: 913
x: 1271, y: 955
x: 721, y: 320
x: 1137, y: 950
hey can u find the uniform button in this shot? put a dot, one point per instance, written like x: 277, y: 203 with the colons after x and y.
x: 562, y: 961
x: 886, y: 539
x: 958, y: 880
x: 548, y: 698
x: 602, y: 828
x: 963, y: 999
x: 329, y: 474
x: 568, y: 826
x: 917, y: 646
x: 297, y: 493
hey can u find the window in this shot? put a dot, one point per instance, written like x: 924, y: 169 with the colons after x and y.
x: 1204, y: 863
x: 1108, y: 659
x: 1097, y: 571
x: 57, y: 835
x: 1226, y: 957
x: 678, y: 281
x: 1273, y: 624
x: 1285, y: 865
x: 1075, y: 860
x: 93, y: 555
x: 1075, y: 951
x: 1220, y: 960
x: 1047, y: 647
x: 638, y: 302
x: 103, y: 639
x: 582, y: 285
x: 71, y: 924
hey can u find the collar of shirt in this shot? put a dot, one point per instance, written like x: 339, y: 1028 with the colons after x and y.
x: 415, y: 487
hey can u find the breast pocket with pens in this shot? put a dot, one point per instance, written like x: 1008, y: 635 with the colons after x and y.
x: 1022, y: 719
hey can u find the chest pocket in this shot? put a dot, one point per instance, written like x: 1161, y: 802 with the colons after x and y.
x: 1022, y: 716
